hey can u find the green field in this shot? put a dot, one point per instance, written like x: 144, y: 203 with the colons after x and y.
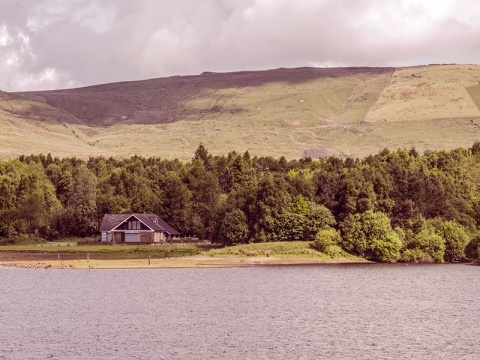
x: 60, y: 251
x: 103, y: 251
x: 347, y: 111
x: 277, y: 249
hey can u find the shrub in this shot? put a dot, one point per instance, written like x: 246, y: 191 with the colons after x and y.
x: 335, y: 251
x: 234, y: 228
x: 387, y: 249
x: 455, y: 238
x: 472, y: 250
x: 370, y: 235
x: 325, y: 238
x: 426, y: 246
x: 415, y: 255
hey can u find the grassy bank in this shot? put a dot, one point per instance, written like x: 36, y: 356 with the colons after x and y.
x: 281, y: 249
x: 67, y: 250
x: 65, y: 255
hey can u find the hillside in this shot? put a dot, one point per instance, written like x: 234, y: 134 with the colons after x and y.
x: 428, y: 93
x: 349, y: 111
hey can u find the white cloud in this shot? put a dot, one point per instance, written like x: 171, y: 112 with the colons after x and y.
x: 96, y: 41
x: 48, y: 78
x: 18, y: 65
x: 9, y: 59
x: 95, y: 15
x: 5, y: 37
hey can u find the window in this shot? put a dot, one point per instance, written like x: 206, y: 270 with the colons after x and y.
x: 133, y: 225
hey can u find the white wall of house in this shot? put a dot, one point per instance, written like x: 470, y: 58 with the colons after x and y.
x: 106, y: 236
x: 159, y: 237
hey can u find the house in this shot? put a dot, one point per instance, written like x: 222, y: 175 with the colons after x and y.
x: 135, y: 228
x: 316, y: 153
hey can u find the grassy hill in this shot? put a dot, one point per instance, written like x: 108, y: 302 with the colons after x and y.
x: 349, y: 111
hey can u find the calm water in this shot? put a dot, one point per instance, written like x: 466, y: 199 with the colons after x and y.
x: 290, y: 312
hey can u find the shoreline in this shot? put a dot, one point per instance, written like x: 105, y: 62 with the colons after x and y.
x: 174, y: 263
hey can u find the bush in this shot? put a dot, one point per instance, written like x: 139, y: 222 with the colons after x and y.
x: 455, y: 238
x: 335, y: 251
x: 416, y: 255
x: 324, y: 239
x: 426, y: 246
x: 387, y: 249
x: 472, y: 250
x: 21, y: 240
x: 370, y: 235
x: 234, y: 228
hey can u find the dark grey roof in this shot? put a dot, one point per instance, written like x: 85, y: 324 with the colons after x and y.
x: 154, y: 222
x: 111, y: 221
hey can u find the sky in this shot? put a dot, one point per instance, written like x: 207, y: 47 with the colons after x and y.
x: 52, y: 44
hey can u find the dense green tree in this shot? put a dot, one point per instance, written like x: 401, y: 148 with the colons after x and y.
x: 109, y: 203
x: 302, y: 184
x: 280, y: 199
x: 472, y: 250
x: 272, y: 199
x: 174, y: 202
x: 205, y: 190
x: 10, y: 174
x: 81, y: 210
x: 30, y: 199
x: 357, y: 193
x: 406, y: 215
x: 303, y: 219
x: 234, y: 228
x: 61, y: 179
x: 202, y: 154
x: 328, y: 185
x: 370, y: 235
x: 427, y: 245
x: 455, y: 238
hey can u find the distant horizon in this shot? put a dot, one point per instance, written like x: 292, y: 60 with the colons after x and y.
x: 242, y: 71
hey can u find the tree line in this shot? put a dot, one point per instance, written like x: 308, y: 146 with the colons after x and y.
x: 394, y: 205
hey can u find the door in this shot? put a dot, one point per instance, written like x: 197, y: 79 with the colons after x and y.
x: 132, y: 237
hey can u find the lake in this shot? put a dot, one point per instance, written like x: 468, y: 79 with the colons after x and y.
x: 367, y: 311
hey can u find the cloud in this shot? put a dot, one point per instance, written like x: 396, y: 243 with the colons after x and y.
x: 64, y: 43
x: 17, y: 60
x: 94, y: 15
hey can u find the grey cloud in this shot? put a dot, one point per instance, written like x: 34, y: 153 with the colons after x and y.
x: 83, y: 42
x: 95, y: 15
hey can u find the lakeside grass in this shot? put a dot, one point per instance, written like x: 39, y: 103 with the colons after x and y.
x: 119, y: 252
x: 164, y: 250
x: 166, y: 255
x: 280, y: 249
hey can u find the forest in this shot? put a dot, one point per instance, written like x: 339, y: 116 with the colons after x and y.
x: 391, y: 206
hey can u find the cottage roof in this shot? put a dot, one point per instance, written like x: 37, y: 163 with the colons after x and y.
x: 154, y: 222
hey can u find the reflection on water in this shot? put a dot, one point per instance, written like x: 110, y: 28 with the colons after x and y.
x: 282, y: 312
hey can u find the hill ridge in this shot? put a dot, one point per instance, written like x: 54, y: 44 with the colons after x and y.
x: 278, y: 112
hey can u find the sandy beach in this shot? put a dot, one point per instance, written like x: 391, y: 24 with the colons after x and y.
x: 180, y: 262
